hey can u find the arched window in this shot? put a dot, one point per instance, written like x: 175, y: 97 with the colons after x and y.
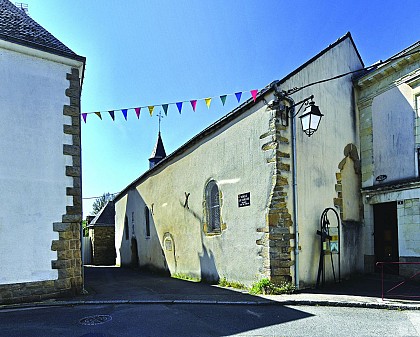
x: 126, y: 231
x: 213, y: 207
x: 147, y: 221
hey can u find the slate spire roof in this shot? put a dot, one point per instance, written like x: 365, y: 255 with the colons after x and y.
x: 17, y: 27
x: 158, y: 152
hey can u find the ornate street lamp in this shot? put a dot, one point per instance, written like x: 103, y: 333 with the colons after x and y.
x: 311, y: 118
x: 311, y: 115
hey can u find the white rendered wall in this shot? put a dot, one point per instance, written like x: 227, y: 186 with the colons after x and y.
x: 234, y: 159
x: 393, y: 119
x: 318, y: 156
x: 32, y: 165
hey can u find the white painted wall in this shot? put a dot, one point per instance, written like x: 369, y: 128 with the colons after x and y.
x: 318, y: 156
x: 393, y: 118
x: 234, y: 158
x: 32, y: 165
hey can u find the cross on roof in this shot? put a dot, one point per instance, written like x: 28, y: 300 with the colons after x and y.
x: 159, y: 115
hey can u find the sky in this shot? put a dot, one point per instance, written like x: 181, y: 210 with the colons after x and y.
x: 147, y: 53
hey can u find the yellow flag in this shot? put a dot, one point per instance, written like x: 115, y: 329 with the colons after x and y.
x: 151, y: 107
x: 98, y: 114
x: 208, y: 101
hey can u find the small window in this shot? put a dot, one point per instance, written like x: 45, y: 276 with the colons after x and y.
x: 213, y: 208
x: 147, y: 221
x: 126, y: 231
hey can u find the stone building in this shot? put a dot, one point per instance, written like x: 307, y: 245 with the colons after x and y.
x: 243, y: 198
x: 388, y: 100
x: 102, y: 236
x: 40, y: 169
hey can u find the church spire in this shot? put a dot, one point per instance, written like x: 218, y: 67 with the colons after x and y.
x: 159, y: 150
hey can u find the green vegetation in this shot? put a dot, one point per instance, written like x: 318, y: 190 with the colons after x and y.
x: 185, y: 277
x: 223, y: 282
x: 266, y: 287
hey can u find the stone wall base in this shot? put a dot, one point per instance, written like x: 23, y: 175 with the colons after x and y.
x: 33, y: 291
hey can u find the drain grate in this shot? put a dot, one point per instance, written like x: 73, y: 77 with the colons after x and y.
x: 95, y: 320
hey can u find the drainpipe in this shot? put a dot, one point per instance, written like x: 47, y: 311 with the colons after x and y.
x: 295, y: 197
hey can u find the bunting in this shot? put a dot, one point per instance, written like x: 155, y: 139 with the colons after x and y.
x: 179, y: 106
x: 254, y: 93
x: 208, y: 101
x: 193, y: 104
x: 112, y: 114
x: 137, y: 110
x: 238, y: 95
x: 165, y: 109
x: 124, y: 112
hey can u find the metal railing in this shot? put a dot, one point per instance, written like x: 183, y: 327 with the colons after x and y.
x: 400, y: 283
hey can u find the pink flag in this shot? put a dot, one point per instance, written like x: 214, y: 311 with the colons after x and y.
x: 193, y: 104
x: 84, y: 115
x: 254, y: 94
x: 137, y: 112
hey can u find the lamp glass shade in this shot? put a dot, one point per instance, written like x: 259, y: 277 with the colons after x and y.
x: 311, y: 119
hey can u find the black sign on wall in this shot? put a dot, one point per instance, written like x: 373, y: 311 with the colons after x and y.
x: 244, y: 199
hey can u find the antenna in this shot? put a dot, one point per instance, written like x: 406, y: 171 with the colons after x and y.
x: 22, y: 6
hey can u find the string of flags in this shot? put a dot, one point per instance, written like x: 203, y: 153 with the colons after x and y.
x: 165, y: 107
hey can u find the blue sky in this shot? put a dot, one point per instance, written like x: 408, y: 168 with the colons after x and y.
x: 142, y: 53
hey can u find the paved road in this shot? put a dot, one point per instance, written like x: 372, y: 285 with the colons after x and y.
x: 207, y: 320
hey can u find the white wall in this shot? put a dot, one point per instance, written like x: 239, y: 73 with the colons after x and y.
x: 32, y: 165
x: 393, y: 118
x: 234, y: 158
x: 318, y: 156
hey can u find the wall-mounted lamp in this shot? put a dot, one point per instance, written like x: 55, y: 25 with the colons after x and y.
x: 310, y: 118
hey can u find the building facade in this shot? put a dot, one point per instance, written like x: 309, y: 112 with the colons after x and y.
x: 243, y: 198
x: 388, y: 102
x: 40, y: 170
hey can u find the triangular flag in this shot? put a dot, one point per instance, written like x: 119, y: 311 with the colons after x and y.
x: 208, y: 101
x: 179, y: 106
x: 223, y: 99
x: 98, y: 114
x: 112, y: 114
x: 165, y: 108
x: 84, y: 115
x: 124, y: 111
x: 193, y: 104
x: 238, y: 96
x: 254, y: 94
x: 151, y: 107
x: 137, y: 112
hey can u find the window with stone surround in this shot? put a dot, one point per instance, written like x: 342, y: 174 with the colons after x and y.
x: 212, y: 201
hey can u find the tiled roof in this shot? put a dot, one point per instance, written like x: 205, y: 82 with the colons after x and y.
x: 106, y: 216
x: 17, y: 27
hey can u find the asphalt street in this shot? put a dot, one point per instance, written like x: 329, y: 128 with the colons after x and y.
x: 206, y: 320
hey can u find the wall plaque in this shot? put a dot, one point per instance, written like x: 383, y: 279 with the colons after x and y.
x: 244, y: 199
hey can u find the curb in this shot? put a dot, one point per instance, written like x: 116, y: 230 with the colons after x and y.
x: 271, y: 302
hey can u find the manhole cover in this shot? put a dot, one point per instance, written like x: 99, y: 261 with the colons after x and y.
x: 95, y: 319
